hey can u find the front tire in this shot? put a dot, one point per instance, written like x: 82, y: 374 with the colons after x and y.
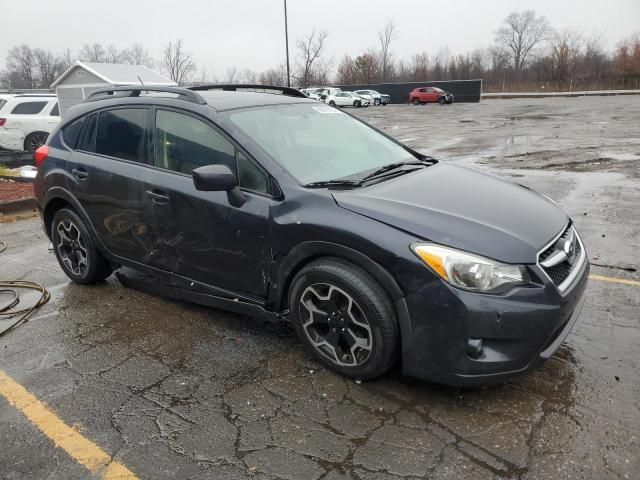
x: 415, y: 101
x: 344, y: 318
x: 442, y: 100
x: 332, y: 103
x: 75, y: 249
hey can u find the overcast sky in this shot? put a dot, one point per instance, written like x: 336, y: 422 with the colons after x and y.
x: 250, y: 33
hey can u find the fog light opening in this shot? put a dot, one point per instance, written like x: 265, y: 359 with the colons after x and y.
x: 475, y: 348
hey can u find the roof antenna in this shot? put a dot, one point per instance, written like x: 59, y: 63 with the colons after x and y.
x: 141, y: 82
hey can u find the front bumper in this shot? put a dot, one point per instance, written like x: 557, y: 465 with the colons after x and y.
x: 11, y: 139
x: 518, y: 331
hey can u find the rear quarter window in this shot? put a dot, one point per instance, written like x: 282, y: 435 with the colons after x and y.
x: 71, y: 132
x: 28, y: 108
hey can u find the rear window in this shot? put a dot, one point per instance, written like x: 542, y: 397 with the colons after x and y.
x: 28, y: 108
x: 71, y: 132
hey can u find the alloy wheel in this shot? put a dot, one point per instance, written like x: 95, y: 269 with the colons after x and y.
x: 71, y: 247
x: 335, y: 325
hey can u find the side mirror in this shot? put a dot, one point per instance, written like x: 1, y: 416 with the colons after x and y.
x: 218, y: 178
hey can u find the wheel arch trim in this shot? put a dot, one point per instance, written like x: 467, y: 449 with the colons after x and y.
x: 306, y: 252
x: 55, y: 194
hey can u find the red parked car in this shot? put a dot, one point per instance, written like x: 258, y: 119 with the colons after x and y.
x: 422, y: 95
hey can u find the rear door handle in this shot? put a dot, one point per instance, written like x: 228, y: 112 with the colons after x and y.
x: 156, y: 197
x: 80, y: 173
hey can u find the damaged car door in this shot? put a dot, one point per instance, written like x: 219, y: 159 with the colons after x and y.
x: 105, y: 174
x: 199, y: 234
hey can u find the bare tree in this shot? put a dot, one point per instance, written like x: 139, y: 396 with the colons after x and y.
x: 113, y: 55
x: 347, y: 73
x: 594, y: 59
x: 440, y: 62
x: 419, y: 67
x: 94, y: 53
x: 385, y: 37
x: 309, y: 51
x: 178, y: 63
x: 203, y: 76
x: 274, y: 76
x: 521, y: 33
x: 48, y: 65
x: 367, y: 67
x: 566, y: 49
x: 21, y: 60
x: 249, y: 76
x: 233, y: 75
x: 67, y: 58
x: 136, y: 54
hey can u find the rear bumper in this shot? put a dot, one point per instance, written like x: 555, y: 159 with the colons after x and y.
x: 517, y: 331
x: 11, y: 139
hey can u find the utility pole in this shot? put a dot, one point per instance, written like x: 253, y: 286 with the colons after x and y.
x: 286, y: 40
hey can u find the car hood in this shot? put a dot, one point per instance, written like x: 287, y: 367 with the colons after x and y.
x: 464, y: 209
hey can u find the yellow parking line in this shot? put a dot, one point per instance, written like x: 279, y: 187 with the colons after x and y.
x: 624, y: 281
x: 82, y: 450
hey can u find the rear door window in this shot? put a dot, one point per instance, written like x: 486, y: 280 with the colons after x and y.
x: 28, y: 108
x: 121, y: 133
x: 55, y: 111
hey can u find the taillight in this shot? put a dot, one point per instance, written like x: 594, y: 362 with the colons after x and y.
x: 40, y: 155
x: 2, y: 122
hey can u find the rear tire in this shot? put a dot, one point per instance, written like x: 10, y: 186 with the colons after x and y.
x: 35, y: 140
x: 75, y: 249
x: 344, y: 318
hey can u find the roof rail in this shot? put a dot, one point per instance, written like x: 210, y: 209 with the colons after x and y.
x: 290, y: 91
x: 134, y: 91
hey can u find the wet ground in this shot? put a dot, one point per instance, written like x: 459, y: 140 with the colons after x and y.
x: 173, y: 390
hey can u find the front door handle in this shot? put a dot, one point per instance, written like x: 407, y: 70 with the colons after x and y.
x: 157, y: 197
x: 80, y: 173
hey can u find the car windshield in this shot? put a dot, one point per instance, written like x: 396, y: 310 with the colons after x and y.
x: 318, y: 143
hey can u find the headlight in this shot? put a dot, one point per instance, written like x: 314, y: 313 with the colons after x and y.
x: 470, y: 272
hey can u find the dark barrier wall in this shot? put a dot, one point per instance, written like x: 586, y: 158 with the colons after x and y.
x: 464, y: 91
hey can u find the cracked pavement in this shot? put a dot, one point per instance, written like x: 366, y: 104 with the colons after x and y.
x: 175, y: 390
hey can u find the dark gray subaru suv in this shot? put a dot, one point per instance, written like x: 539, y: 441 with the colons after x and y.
x: 274, y: 205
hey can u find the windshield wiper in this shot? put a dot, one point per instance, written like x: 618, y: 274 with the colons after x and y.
x: 333, y: 183
x: 387, y: 170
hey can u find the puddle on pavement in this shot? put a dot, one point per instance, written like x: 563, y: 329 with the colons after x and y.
x: 523, y: 139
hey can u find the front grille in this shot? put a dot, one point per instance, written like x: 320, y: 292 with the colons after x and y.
x: 558, y: 273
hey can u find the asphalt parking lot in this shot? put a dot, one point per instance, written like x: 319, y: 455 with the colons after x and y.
x: 165, y: 389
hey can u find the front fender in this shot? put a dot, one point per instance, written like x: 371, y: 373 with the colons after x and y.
x: 305, y: 252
